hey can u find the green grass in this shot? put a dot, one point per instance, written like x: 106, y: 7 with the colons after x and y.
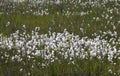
x: 57, y: 23
x: 72, y: 22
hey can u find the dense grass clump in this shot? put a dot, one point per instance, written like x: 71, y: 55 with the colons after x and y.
x: 71, y: 38
x: 58, y: 54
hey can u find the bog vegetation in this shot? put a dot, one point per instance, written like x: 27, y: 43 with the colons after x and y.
x: 60, y: 38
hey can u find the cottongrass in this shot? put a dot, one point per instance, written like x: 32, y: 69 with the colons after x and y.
x: 46, y: 49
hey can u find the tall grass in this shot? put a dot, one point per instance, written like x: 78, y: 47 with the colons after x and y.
x: 92, y: 18
x: 91, y: 22
x: 59, y: 54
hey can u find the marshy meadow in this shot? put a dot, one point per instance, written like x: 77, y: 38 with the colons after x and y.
x: 59, y: 38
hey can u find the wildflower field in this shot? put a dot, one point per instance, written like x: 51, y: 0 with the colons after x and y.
x: 60, y: 38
